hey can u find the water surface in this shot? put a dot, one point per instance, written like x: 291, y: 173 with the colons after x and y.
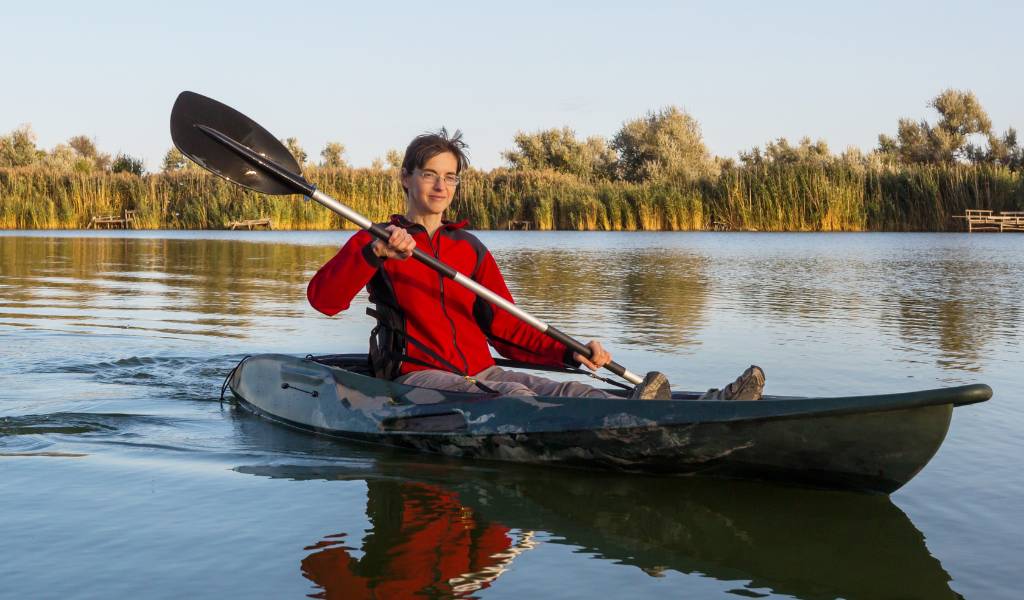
x: 123, y: 473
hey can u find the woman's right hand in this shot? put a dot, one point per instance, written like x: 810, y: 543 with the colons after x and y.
x: 399, y: 245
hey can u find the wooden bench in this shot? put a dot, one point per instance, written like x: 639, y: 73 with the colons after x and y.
x: 126, y: 221
x: 519, y: 225
x: 985, y: 220
x: 1014, y: 220
x: 251, y: 224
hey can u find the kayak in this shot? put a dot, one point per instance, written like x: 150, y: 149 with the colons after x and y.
x: 867, y: 443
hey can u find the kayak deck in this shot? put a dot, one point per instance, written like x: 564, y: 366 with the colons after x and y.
x: 871, y: 443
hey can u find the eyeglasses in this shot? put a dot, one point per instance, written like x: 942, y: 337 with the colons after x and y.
x: 431, y: 178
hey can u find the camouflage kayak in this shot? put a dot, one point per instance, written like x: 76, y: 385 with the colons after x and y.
x: 868, y: 443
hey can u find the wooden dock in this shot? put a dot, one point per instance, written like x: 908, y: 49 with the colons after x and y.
x: 125, y: 221
x: 251, y: 224
x: 985, y: 220
x: 519, y: 225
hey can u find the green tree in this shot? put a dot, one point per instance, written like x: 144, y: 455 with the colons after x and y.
x: 128, y: 164
x: 960, y: 117
x: 174, y: 160
x: 666, y: 144
x: 296, y: 150
x: 64, y: 159
x: 91, y: 157
x: 781, y: 152
x: 84, y: 146
x: 18, y: 148
x: 332, y: 155
x: 394, y: 159
x: 1005, y: 151
x: 560, y: 150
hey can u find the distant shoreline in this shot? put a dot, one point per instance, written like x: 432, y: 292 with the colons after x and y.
x: 780, y: 198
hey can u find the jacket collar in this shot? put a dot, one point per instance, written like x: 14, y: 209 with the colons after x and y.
x: 404, y: 223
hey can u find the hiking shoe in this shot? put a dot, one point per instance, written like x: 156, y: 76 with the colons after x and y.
x: 747, y: 386
x: 653, y: 387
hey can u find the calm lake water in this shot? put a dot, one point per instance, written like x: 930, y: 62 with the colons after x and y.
x: 123, y: 475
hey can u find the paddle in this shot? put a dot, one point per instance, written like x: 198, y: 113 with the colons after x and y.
x: 227, y: 143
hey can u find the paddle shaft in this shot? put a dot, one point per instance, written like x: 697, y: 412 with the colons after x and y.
x: 307, y: 189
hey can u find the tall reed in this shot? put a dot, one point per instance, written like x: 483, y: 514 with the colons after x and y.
x: 831, y: 197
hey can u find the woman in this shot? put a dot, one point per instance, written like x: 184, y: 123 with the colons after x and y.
x: 431, y: 331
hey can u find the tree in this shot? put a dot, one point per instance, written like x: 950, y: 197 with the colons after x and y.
x: 781, y: 152
x: 394, y: 159
x: 962, y: 115
x: 64, y: 159
x: 174, y: 160
x: 18, y: 148
x: 86, y: 149
x: 560, y: 150
x: 101, y: 162
x: 1004, y: 151
x: 296, y: 150
x: 332, y: 155
x: 666, y: 144
x: 946, y: 142
x: 84, y: 146
x: 128, y: 164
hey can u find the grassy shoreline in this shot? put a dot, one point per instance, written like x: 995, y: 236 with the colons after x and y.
x: 836, y: 197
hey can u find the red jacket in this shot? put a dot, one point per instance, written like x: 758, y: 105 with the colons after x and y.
x: 444, y: 316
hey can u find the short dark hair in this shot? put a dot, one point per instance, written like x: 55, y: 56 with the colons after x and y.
x: 428, y: 145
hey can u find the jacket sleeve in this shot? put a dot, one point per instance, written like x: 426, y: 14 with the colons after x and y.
x: 511, y: 337
x: 336, y: 283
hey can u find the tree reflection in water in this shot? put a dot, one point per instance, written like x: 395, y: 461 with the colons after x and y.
x: 940, y: 303
x: 658, y: 296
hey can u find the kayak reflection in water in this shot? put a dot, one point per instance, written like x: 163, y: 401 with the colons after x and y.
x: 424, y: 541
x: 457, y: 532
x: 433, y: 335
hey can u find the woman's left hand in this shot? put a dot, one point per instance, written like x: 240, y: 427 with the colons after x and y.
x: 599, y: 357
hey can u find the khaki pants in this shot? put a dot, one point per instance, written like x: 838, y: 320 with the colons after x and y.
x: 508, y: 383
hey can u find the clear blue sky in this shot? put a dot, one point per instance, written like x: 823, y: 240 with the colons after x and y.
x: 373, y: 75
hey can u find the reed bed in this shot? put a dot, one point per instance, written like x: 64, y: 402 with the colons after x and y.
x: 830, y: 197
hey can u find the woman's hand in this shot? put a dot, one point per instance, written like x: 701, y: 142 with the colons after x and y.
x: 599, y: 357
x: 399, y: 245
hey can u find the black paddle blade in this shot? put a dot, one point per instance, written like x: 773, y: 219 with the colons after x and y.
x: 221, y: 157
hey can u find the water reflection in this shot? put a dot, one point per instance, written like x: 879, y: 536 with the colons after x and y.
x: 658, y: 296
x: 163, y: 286
x: 115, y: 348
x: 423, y: 541
x: 956, y: 306
x: 437, y: 525
x: 931, y: 300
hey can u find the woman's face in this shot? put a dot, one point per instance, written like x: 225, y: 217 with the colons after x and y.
x: 432, y: 187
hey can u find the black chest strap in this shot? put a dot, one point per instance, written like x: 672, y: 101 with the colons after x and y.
x: 389, y: 357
